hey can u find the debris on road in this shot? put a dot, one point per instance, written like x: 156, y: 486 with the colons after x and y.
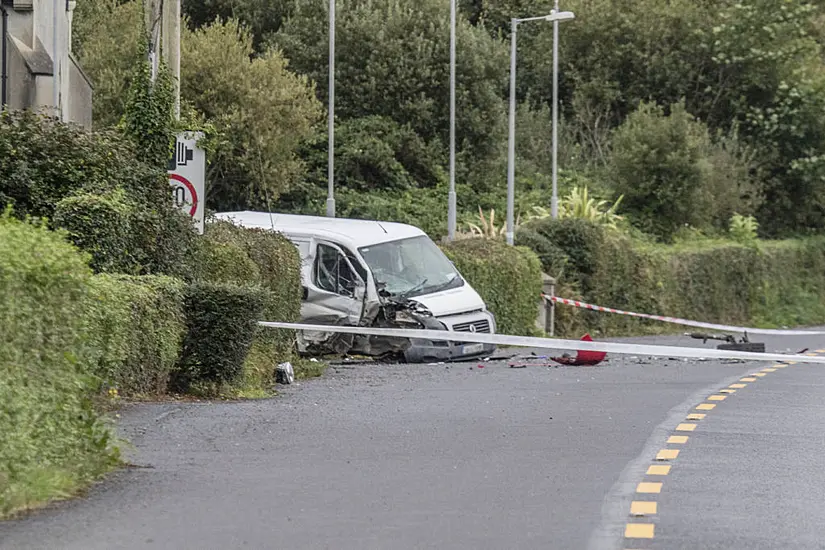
x: 285, y: 374
x: 583, y: 357
x: 730, y: 342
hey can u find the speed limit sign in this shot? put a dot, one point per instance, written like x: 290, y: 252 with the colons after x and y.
x: 187, y: 174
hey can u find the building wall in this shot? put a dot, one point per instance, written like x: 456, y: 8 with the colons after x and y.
x: 80, y: 98
x: 32, y: 26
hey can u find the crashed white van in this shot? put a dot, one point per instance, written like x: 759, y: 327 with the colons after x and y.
x: 378, y: 274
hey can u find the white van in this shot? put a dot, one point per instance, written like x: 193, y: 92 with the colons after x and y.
x: 370, y: 273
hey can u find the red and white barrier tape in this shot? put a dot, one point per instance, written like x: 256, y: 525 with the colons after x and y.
x: 677, y: 321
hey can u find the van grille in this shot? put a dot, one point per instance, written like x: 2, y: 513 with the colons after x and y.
x: 477, y: 326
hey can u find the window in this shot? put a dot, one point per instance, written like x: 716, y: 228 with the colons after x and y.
x: 411, y: 267
x: 333, y: 273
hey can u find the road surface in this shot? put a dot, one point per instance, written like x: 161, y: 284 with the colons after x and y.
x: 461, y: 457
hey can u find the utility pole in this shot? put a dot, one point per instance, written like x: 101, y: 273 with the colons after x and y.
x: 55, y: 58
x: 170, y: 40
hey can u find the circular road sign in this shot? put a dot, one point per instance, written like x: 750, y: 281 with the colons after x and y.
x: 184, y: 193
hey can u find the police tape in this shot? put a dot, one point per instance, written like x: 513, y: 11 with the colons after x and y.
x: 550, y: 343
x: 678, y: 321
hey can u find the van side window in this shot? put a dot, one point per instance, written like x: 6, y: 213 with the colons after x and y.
x: 356, y: 263
x: 332, y: 273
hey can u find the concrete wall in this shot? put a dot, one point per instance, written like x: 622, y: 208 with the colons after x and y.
x: 33, y: 69
x: 80, y: 98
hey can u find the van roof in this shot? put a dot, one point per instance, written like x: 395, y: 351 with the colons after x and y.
x: 357, y: 232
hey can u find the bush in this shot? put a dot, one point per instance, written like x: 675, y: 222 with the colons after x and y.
x: 507, y: 278
x: 99, y: 224
x: 227, y: 262
x: 137, y: 328
x: 44, y: 162
x: 580, y: 240
x: 276, y: 266
x: 553, y: 259
x: 53, y: 440
x: 221, y: 321
x: 757, y: 283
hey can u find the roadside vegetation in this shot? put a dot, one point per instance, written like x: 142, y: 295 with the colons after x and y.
x: 703, y: 129
x: 692, y: 154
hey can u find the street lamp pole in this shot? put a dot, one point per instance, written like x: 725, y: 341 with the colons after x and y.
x: 451, y: 198
x: 511, y: 142
x: 331, y: 146
x: 555, y: 16
x: 554, y: 200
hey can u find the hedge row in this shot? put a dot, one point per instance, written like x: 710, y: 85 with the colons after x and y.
x: 261, y: 259
x: 507, y: 278
x: 153, y: 333
x: 137, y: 328
x: 53, y: 440
x: 780, y: 283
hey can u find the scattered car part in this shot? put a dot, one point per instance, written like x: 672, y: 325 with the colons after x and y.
x: 285, y: 374
x: 730, y: 342
x: 583, y: 357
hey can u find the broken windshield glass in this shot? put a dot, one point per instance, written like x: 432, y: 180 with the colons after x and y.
x: 411, y: 267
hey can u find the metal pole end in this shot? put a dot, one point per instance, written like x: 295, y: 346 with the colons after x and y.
x: 330, y: 207
x: 510, y: 238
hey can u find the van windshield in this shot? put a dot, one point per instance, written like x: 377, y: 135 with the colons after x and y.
x: 411, y: 267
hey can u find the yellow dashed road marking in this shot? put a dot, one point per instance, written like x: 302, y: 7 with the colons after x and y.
x: 705, y: 407
x: 677, y: 439
x: 780, y: 366
x: 642, y: 508
x: 685, y: 427
x: 658, y: 470
x: 769, y: 370
x: 667, y: 454
x: 738, y: 386
x: 748, y: 379
x: 639, y: 531
x: 727, y: 390
x: 760, y: 374
x: 717, y: 397
x: 695, y: 416
x: 648, y: 487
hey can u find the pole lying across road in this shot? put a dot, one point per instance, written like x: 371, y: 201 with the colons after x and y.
x: 552, y: 343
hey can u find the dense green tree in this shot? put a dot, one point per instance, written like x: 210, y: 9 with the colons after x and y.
x: 393, y: 61
x: 261, y: 17
x: 672, y: 175
x: 260, y: 112
x: 107, y: 36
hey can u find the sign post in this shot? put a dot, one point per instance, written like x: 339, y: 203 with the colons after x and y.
x: 187, y: 176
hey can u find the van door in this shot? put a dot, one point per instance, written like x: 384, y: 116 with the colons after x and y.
x: 335, y: 292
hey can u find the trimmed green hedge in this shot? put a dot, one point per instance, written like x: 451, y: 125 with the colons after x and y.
x: 776, y: 283
x: 269, y: 261
x: 51, y: 438
x: 137, y: 329
x: 99, y: 224
x: 507, y: 278
x: 221, y: 320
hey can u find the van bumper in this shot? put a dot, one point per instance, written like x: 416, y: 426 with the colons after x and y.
x: 431, y: 351
x: 428, y: 351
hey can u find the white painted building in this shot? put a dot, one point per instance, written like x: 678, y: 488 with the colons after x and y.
x: 37, y: 59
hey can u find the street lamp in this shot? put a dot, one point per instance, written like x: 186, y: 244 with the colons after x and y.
x: 555, y: 16
x: 451, y: 197
x: 331, y: 146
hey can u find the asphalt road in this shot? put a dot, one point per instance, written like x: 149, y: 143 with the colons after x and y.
x: 461, y: 457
